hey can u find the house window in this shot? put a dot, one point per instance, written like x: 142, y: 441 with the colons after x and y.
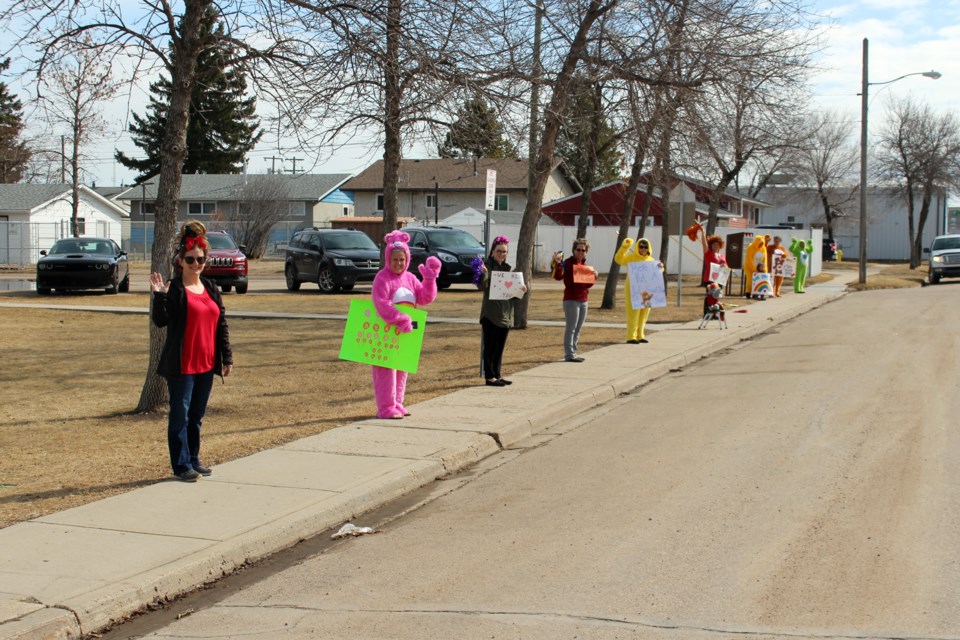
x: 346, y: 211
x: 431, y: 201
x: 379, y: 202
x: 82, y: 226
x: 501, y: 202
x: 148, y: 208
x: 201, y: 208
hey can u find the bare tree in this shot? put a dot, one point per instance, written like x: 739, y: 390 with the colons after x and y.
x: 78, y: 84
x: 827, y: 163
x: 919, y: 151
x: 263, y: 202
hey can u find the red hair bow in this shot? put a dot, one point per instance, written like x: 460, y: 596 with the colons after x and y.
x: 194, y: 241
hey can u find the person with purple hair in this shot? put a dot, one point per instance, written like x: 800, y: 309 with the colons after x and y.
x: 496, y: 316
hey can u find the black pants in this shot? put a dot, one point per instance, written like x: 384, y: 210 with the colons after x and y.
x: 494, y: 339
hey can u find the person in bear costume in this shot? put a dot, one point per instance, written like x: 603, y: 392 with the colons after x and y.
x: 801, y: 252
x: 393, y: 288
x: 755, y: 259
x: 636, y: 318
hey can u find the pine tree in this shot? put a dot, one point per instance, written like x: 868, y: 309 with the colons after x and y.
x: 476, y: 133
x: 579, y: 134
x: 14, y: 153
x: 223, y: 126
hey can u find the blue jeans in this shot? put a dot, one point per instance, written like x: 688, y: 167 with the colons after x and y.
x: 188, y: 403
x: 575, y: 313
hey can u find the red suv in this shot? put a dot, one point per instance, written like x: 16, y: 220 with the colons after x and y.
x: 226, y: 263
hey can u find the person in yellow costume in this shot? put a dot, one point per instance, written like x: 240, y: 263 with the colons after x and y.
x: 636, y: 318
x: 754, y: 259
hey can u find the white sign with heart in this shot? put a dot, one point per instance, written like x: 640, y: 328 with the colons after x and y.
x: 506, y: 284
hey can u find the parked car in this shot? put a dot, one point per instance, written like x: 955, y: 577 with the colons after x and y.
x: 83, y: 263
x: 944, y: 258
x: 333, y: 258
x: 455, y: 249
x: 226, y: 262
x: 829, y: 249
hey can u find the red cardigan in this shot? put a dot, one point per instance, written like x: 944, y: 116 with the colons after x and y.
x: 571, y: 290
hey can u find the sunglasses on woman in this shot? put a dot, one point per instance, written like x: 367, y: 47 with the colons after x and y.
x: 190, y: 259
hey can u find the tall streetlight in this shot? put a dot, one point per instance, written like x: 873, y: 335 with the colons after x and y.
x: 865, y: 85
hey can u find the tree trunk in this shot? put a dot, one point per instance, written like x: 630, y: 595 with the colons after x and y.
x: 153, y: 396
x: 916, y: 248
x: 587, y: 199
x: 544, y: 163
x: 392, y: 147
x: 610, y: 287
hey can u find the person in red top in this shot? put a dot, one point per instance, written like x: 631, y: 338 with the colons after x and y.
x: 712, y: 246
x: 575, y: 292
x: 196, y: 348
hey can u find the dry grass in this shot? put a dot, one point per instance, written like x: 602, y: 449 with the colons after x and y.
x: 71, y: 379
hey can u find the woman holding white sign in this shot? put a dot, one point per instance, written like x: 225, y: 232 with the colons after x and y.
x: 577, y: 279
x: 636, y: 315
x: 496, y: 315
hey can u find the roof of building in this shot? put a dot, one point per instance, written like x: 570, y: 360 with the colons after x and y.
x: 225, y: 187
x: 467, y: 174
x: 24, y: 197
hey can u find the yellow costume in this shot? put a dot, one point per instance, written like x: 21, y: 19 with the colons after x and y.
x: 636, y: 318
x: 755, y: 259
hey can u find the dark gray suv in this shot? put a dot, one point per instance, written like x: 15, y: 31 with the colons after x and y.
x: 455, y: 248
x: 333, y: 258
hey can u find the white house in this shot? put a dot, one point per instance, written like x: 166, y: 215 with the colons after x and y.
x: 34, y: 216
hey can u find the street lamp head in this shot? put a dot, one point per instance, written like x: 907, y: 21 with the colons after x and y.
x: 933, y: 75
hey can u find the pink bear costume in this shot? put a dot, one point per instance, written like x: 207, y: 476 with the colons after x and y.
x: 390, y: 293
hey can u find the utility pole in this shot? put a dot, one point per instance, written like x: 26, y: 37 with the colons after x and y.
x: 273, y: 163
x: 295, y: 161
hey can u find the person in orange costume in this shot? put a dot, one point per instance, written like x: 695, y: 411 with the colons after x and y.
x: 776, y: 256
x: 755, y: 259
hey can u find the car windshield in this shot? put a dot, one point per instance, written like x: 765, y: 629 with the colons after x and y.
x: 218, y: 241
x: 953, y: 242
x: 348, y: 241
x: 78, y: 245
x: 454, y: 240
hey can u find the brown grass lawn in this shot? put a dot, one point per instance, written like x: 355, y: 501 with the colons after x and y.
x: 71, y: 379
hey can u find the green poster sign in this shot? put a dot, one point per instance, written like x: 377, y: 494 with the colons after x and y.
x: 369, y: 340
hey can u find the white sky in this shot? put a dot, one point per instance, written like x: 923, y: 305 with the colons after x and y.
x: 906, y: 36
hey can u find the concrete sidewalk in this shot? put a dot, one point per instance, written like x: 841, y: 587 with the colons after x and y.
x: 76, y: 571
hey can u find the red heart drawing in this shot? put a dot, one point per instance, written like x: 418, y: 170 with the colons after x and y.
x: 508, y: 284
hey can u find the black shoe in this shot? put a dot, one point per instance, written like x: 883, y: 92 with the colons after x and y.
x: 202, y: 470
x: 633, y: 342
x: 505, y: 381
x: 190, y: 475
x: 496, y: 383
x: 644, y: 341
x: 574, y: 359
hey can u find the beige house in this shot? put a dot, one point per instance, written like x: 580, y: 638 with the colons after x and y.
x: 435, y: 189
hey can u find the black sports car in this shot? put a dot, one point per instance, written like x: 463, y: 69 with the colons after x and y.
x: 83, y: 263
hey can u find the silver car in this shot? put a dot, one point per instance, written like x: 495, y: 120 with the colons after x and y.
x: 944, y: 258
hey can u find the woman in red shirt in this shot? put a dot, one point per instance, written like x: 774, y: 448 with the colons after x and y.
x: 574, y: 294
x: 196, y: 348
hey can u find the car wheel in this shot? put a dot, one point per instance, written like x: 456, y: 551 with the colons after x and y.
x: 443, y: 284
x: 114, y: 288
x: 125, y: 284
x: 326, y: 280
x: 43, y: 291
x: 346, y: 287
x: 242, y: 288
x: 934, y: 278
x: 290, y: 274
x: 226, y: 288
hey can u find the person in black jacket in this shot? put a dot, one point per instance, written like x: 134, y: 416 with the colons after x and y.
x: 196, y: 348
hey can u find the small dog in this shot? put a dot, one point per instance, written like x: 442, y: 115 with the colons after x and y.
x: 713, y: 308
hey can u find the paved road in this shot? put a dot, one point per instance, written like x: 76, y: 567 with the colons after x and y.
x: 805, y: 485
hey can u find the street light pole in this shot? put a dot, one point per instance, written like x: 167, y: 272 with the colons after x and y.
x: 864, y: 87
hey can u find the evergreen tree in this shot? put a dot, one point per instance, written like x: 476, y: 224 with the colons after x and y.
x: 222, y: 127
x: 578, y: 135
x: 476, y: 133
x: 14, y: 154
